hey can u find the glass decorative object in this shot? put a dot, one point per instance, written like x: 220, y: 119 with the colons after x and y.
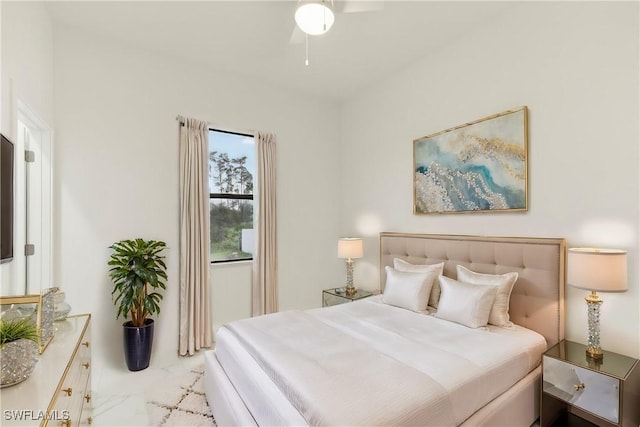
x: 24, y: 307
x: 47, y: 316
x: 20, y: 311
x: 18, y: 358
x: 41, y: 309
x: 61, y: 308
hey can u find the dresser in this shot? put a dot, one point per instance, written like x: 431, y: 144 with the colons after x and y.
x: 58, y: 392
x: 583, y: 391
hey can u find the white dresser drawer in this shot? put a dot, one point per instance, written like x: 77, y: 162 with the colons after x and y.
x: 75, y: 383
x: 589, y: 390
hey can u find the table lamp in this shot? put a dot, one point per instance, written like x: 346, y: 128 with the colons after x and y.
x: 596, y: 270
x: 350, y: 248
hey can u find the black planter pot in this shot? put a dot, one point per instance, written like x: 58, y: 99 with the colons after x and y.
x: 137, y: 344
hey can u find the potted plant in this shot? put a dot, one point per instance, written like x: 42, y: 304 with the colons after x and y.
x: 137, y: 271
x: 18, y: 350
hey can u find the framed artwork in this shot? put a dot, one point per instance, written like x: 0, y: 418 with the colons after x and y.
x: 476, y: 167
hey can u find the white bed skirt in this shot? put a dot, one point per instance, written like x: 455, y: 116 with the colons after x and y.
x: 225, y: 403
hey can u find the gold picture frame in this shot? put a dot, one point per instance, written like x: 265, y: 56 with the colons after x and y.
x: 480, y: 166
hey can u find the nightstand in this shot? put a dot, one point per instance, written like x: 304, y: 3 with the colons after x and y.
x: 604, y: 392
x: 335, y: 296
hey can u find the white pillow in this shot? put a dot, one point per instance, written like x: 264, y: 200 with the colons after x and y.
x: 499, y: 315
x: 402, y: 265
x: 408, y: 290
x: 465, y: 303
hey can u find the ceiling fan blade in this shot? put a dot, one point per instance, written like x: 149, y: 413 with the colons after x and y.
x: 297, y: 36
x: 357, y: 6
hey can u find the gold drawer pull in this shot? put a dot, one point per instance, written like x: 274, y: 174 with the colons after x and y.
x: 579, y: 387
x: 87, y: 397
x: 86, y: 344
x: 65, y: 423
x: 90, y: 420
x: 68, y: 391
x: 86, y: 365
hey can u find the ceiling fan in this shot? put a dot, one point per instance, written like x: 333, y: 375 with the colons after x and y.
x: 316, y: 17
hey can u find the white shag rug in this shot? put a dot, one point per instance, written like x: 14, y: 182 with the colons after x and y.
x: 181, y: 402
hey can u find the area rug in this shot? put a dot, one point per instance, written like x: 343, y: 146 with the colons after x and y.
x: 180, y: 401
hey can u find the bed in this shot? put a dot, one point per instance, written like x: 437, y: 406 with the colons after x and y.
x: 374, y: 363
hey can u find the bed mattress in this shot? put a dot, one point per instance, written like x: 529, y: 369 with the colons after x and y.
x: 296, y: 368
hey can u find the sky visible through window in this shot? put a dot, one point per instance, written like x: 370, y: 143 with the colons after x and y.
x: 235, y: 146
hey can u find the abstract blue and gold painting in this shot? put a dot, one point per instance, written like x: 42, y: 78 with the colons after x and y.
x: 477, y: 167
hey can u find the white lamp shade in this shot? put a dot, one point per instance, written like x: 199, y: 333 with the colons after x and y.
x: 350, y: 247
x: 602, y: 270
x: 314, y: 17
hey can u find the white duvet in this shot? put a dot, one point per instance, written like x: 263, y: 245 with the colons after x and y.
x: 368, y: 363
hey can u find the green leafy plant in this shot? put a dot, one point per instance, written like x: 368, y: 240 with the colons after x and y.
x: 13, y: 330
x: 137, y: 272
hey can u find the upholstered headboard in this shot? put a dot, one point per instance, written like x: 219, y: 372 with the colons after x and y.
x: 537, y: 300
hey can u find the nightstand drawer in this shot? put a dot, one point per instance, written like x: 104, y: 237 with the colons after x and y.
x: 589, y: 390
x: 328, y: 300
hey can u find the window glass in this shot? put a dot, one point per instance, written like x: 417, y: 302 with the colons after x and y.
x: 231, y: 229
x: 232, y: 163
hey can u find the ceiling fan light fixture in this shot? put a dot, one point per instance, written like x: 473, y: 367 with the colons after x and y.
x: 314, y: 17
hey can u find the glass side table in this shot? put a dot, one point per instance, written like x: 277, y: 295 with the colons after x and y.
x: 605, y: 392
x: 335, y: 296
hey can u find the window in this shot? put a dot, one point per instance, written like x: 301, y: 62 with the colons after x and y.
x: 232, y: 164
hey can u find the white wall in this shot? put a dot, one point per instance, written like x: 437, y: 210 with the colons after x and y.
x: 575, y: 65
x: 117, y: 177
x: 26, y: 75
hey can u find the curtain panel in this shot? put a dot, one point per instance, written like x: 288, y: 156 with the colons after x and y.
x: 265, y: 261
x: 195, y: 313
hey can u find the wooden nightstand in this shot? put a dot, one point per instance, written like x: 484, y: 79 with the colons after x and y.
x: 335, y: 296
x: 604, y: 393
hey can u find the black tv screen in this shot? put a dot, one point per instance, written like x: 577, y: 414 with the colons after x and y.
x: 6, y: 198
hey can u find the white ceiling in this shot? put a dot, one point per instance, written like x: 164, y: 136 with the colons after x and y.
x: 253, y: 37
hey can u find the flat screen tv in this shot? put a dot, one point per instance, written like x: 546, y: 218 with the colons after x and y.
x: 6, y: 198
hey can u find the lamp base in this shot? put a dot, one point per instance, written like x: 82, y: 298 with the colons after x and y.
x: 594, y: 353
x: 350, y: 290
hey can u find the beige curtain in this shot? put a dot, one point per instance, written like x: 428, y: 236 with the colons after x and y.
x: 195, y: 315
x: 265, y: 261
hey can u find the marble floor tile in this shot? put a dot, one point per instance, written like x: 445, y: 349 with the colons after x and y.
x: 157, y: 396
